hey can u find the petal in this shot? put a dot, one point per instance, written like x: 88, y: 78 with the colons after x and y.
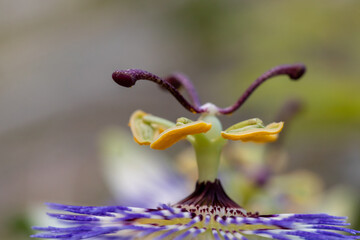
x: 254, y: 133
x: 174, y: 134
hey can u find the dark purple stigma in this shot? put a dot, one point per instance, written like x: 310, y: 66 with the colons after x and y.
x: 123, y: 79
x: 128, y: 78
x: 296, y: 71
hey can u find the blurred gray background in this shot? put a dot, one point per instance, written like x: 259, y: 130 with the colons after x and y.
x: 57, y: 95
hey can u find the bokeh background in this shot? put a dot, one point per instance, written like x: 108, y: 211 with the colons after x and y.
x: 57, y: 96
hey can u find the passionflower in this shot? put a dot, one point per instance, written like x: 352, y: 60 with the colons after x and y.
x: 208, y: 212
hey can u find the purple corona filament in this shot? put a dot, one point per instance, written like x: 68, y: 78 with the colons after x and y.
x: 120, y: 223
x: 128, y: 78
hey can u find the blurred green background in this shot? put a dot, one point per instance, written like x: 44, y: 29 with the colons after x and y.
x: 57, y: 95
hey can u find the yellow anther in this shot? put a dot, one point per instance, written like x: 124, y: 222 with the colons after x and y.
x: 174, y: 134
x: 256, y: 134
x: 144, y: 133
